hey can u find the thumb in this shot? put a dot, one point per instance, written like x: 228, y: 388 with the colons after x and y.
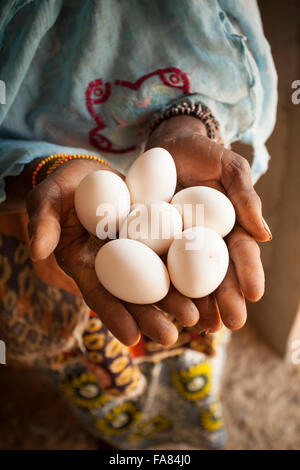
x: 44, y: 226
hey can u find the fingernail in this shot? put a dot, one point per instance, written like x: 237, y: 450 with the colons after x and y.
x: 204, y: 332
x: 267, y: 228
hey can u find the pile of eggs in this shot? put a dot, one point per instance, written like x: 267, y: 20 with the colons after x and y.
x: 147, y: 224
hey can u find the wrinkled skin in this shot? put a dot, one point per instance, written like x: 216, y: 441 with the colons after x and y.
x: 54, y: 227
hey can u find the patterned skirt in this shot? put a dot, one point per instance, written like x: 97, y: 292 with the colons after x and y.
x: 131, y: 397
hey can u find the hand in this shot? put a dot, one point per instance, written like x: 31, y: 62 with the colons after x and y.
x: 54, y: 227
x: 199, y: 161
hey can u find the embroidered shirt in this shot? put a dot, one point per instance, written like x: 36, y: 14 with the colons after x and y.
x: 85, y: 76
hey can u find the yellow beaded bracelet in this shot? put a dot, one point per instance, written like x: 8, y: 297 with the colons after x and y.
x: 60, y: 159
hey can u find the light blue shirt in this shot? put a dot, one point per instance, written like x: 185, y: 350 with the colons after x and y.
x: 85, y: 76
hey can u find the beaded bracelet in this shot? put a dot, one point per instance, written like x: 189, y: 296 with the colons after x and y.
x: 60, y: 159
x: 55, y: 164
x: 74, y: 157
x: 199, y: 111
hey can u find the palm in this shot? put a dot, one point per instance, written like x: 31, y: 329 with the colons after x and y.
x: 212, y: 311
x: 199, y: 161
x: 55, y: 227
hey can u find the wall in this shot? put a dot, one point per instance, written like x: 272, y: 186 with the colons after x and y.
x: 277, y: 314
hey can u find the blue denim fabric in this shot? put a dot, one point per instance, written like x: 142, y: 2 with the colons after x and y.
x: 60, y: 58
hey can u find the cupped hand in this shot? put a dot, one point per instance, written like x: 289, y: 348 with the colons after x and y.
x: 54, y: 227
x: 200, y: 161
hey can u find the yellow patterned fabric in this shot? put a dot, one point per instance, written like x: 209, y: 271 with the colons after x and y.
x: 130, y: 397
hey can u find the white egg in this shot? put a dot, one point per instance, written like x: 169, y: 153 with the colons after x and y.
x: 155, y: 224
x: 198, y: 262
x: 204, y: 206
x: 132, y: 272
x: 152, y: 177
x: 102, y: 202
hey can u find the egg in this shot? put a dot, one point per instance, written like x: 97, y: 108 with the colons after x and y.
x: 198, y: 262
x: 155, y: 224
x: 204, y: 206
x: 131, y: 271
x: 102, y: 202
x: 152, y: 177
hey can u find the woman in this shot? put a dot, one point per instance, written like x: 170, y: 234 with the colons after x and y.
x: 105, y: 78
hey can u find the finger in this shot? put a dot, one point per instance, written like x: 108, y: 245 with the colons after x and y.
x: 154, y: 324
x: 236, y: 179
x: 210, y: 319
x: 45, y: 233
x: 44, y: 226
x: 110, y: 310
x: 231, y: 301
x: 216, y: 163
x: 245, y: 254
x: 113, y: 314
x: 181, y: 307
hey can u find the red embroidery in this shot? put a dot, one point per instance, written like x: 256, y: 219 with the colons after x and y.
x: 99, y: 92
